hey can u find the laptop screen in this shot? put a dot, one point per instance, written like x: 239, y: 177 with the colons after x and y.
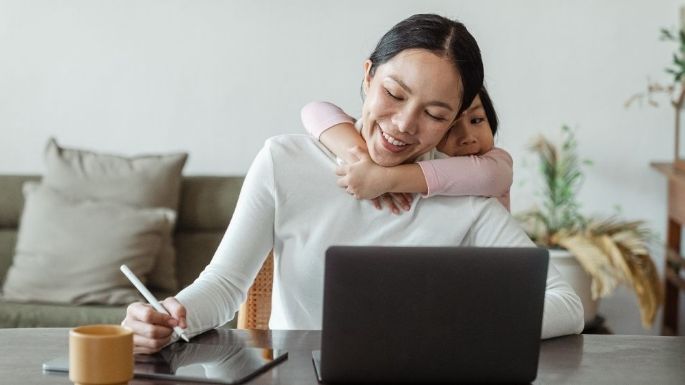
x: 432, y: 313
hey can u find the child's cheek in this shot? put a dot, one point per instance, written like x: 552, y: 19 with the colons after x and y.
x: 443, y: 145
x: 449, y: 145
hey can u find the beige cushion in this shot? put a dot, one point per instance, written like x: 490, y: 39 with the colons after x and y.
x: 146, y: 181
x: 69, y: 250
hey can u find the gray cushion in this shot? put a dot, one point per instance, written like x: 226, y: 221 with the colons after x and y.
x: 195, y: 250
x: 8, y: 238
x: 147, y: 181
x: 12, y: 198
x: 69, y: 250
x: 29, y: 315
x: 207, y: 203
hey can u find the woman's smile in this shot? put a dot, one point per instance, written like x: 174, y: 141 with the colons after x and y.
x: 390, y: 142
x: 393, y: 141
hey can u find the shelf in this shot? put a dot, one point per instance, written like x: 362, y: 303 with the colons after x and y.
x: 668, y: 169
x: 674, y: 258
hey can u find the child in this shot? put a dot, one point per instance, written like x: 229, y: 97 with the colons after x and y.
x: 475, y: 166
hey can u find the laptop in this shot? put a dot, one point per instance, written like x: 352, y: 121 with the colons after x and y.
x: 431, y: 314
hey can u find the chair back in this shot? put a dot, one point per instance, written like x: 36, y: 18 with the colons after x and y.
x: 256, y: 311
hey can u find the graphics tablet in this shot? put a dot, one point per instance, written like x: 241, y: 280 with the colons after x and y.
x: 215, y: 357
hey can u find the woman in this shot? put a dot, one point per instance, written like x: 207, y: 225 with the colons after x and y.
x: 473, y: 165
x: 290, y: 201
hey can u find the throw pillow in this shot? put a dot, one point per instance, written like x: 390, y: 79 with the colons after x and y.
x: 146, y: 181
x: 69, y: 250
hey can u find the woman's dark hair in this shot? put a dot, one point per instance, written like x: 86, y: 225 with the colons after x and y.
x: 489, y: 109
x: 441, y: 36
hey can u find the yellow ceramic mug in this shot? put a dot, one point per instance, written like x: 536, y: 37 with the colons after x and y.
x: 100, y: 354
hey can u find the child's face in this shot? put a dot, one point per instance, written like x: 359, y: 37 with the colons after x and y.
x: 470, y: 134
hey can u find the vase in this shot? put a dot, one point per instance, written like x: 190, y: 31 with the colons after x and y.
x: 578, y: 278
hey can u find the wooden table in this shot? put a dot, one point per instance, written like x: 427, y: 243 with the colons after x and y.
x: 674, y: 283
x: 581, y: 359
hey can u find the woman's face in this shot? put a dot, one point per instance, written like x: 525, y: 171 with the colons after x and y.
x: 410, y: 103
x: 470, y: 134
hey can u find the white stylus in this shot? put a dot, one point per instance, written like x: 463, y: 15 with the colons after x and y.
x: 150, y: 298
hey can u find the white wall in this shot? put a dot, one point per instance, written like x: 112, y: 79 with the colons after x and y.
x: 215, y: 78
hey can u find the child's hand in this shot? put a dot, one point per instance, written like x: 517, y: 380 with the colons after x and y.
x: 363, y: 179
x: 356, y: 153
x: 394, y: 201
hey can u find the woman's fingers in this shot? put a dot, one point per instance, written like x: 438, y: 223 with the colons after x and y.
x: 377, y: 203
x: 176, y: 310
x: 151, y: 329
x: 141, y: 350
x: 146, y: 313
x: 341, y: 171
x: 149, y: 345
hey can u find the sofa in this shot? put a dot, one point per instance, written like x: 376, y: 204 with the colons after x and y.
x: 205, y: 209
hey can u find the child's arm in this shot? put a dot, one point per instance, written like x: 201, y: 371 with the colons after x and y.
x: 367, y: 180
x: 505, y: 201
x: 490, y: 174
x: 333, y: 128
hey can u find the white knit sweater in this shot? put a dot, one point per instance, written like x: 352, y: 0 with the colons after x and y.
x: 291, y: 203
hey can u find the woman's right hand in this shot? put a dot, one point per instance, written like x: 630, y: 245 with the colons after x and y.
x: 152, y: 330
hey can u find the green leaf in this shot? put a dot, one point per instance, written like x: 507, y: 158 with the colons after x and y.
x: 562, y: 175
x: 666, y: 34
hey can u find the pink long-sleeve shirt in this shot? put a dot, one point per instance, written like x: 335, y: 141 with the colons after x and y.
x: 490, y: 174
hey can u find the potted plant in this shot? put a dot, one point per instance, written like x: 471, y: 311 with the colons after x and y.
x: 675, y: 91
x: 594, y: 254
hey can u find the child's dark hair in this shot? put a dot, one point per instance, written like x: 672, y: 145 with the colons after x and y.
x: 489, y: 109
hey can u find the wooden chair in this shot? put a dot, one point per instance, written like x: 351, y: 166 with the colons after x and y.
x: 255, y: 312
